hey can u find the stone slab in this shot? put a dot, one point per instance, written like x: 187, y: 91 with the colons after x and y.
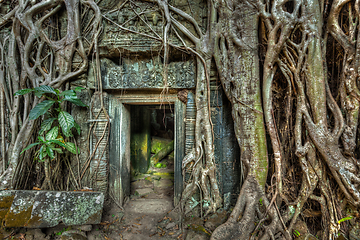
x: 163, y: 183
x: 143, y: 74
x: 40, y: 209
x: 149, y: 206
x: 73, y: 235
x: 141, y: 183
x: 143, y: 191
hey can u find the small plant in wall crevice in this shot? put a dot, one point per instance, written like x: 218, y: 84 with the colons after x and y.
x: 56, y: 127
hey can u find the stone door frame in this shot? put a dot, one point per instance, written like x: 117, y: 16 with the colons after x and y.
x: 119, y: 144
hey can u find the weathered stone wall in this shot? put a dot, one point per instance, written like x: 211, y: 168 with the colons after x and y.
x: 143, y: 74
x: 133, y: 61
x: 227, y: 151
x: 117, y: 42
x: 81, y: 116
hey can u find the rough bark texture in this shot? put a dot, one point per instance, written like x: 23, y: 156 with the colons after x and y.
x: 237, y: 59
x: 289, y: 68
x: 36, y: 56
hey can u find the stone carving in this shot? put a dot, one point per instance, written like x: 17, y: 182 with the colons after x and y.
x: 138, y: 26
x: 142, y: 74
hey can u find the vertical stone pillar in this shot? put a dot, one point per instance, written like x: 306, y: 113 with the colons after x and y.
x: 140, y: 138
x: 97, y: 177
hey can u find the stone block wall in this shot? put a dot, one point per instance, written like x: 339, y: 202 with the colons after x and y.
x: 134, y: 63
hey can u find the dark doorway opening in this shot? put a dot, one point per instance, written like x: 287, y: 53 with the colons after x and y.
x: 152, y: 151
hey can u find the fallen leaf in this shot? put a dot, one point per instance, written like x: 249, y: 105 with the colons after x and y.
x: 162, y: 232
x: 152, y: 234
x: 163, y: 219
x: 84, y: 190
x: 171, y: 233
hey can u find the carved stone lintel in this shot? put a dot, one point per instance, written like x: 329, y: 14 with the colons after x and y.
x: 144, y: 74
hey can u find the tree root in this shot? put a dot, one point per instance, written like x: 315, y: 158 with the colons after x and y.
x: 242, y: 221
x: 201, y: 175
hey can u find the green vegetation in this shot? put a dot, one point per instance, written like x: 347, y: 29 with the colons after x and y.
x: 296, y: 233
x: 55, y: 122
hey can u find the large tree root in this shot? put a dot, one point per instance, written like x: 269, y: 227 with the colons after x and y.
x: 203, y: 177
x: 35, y: 57
x: 242, y: 221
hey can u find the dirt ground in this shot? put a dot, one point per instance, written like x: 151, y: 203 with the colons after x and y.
x: 148, y: 214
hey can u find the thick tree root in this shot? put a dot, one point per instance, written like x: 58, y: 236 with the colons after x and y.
x: 242, y: 221
x: 6, y: 179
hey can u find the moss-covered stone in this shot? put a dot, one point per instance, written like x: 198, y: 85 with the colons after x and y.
x: 166, y: 150
x: 158, y: 143
x: 39, y: 209
x: 140, y: 144
x: 6, y: 199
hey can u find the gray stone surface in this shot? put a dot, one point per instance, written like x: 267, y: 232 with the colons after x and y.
x: 170, y: 225
x: 144, y: 191
x: 39, y: 209
x: 116, y: 41
x: 140, y: 138
x: 227, y: 200
x: 150, y: 206
x: 163, y: 183
x: 144, y: 74
x: 73, y: 235
x: 97, y: 177
x: 141, y: 183
x: 85, y: 228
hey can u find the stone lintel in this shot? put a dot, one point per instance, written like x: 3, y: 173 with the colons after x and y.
x: 144, y: 74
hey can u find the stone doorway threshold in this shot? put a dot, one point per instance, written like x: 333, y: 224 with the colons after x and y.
x: 150, y: 203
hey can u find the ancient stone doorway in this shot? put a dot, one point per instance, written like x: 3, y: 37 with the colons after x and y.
x: 152, y: 151
x: 121, y: 108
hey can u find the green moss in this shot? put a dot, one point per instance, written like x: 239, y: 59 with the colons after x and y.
x: 140, y: 140
x: 6, y: 201
x: 5, y: 204
x: 18, y: 218
x: 158, y: 143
